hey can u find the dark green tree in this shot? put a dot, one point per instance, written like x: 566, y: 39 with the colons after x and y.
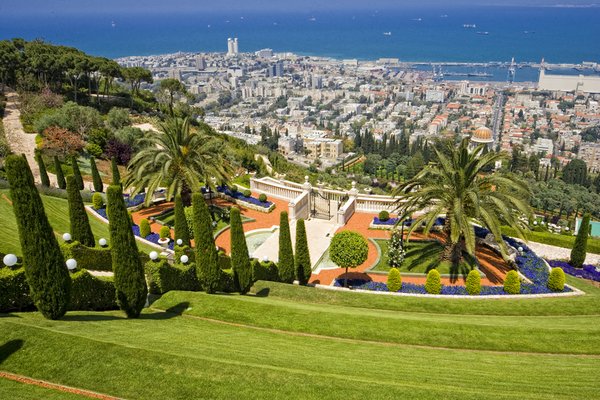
x: 286, y: 255
x: 45, y: 269
x: 579, y: 251
x: 42, y: 167
x: 182, y: 230
x: 116, y: 175
x: 207, y: 260
x: 130, y: 281
x: 575, y: 172
x: 60, y: 176
x: 98, y: 185
x: 80, y: 225
x: 348, y: 250
x: 240, y: 260
x: 77, y: 173
x: 302, y: 255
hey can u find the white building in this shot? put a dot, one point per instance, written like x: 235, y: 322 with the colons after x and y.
x: 435, y: 96
x: 569, y: 83
x: 543, y: 145
x: 232, y: 47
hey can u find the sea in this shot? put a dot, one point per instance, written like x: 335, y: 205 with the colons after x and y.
x: 454, y: 34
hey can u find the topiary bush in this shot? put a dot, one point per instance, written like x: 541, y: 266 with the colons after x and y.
x: 556, y: 280
x: 247, y: 193
x: 348, y: 250
x: 262, y: 198
x: 240, y: 260
x: 80, y: 225
x: 264, y: 271
x: 90, y: 258
x: 394, y: 280
x: 286, y: 254
x: 145, y: 228
x: 97, y: 201
x: 184, y: 250
x: 165, y: 232
x: 579, y: 251
x: 512, y: 283
x: 163, y: 277
x: 384, y: 216
x: 234, y: 189
x: 433, y: 284
x: 14, y: 290
x: 92, y: 293
x: 473, y: 284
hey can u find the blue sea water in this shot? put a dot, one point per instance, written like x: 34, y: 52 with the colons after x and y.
x: 427, y: 34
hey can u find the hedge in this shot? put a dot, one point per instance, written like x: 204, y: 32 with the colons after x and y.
x: 556, y: 280
x: 264, y: 271
x: 90, y: 258
x: 163, y: 277
x: 473, y: 284
x: 433, y: 284
x: 187, y: 250
x: 512, y: 283
x: 14, y: 290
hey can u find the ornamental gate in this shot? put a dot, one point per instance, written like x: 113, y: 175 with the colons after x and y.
x: 320, y: 206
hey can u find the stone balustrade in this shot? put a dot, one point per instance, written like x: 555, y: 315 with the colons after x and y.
x: 274, y: 188
x: 346, y: 211
x: 299, y: 208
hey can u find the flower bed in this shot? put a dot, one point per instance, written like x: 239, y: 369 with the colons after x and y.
x: 246, y: 201
x: 135, y: 200
x: 391, y: 223
x: 588, y: 271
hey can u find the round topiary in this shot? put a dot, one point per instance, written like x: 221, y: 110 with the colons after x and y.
x: 165, y: 232
x: 512, y: 283
x: 348, y: 250
x: 473, y: 284
x: 262, y: 198
x: 433, y: 285
x: 234, y: 189
x: 556, y: 280
x: 144, y: 228
x: 384, y: 216
x: 394, y: 281
x: 247, y: 193
x: 97, y: 201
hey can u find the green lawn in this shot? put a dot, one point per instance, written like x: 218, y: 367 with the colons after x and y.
x: 302, y: 343
x: 57, y: 211
x: 553, y: 239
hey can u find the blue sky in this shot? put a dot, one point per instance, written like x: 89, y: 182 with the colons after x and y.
x: 94, y: 6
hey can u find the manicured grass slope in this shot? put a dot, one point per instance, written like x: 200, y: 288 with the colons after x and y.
x: 266, y: 346
x: 16, y: 390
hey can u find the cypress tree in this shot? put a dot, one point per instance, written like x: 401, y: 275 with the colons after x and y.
x: 182, y: 230
x: 45, y: 269
x: 286, y: 255
x: 207, y: 259
x: 77, y: 173
x: 580, y: 247
x: 116, y: 175
x: 60, y: 176
x: 98, y: 185
x: 42, y: 167
x: 240, y: 260
x: 302, y: 257
x: 130, y: 282
x: 80, y: 225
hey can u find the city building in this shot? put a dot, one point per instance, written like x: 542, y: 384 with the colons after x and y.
x: 590, y: 153
x: 569, y: 83
x: 434, y: 96
x: 325, y: 148
x: 482, y: 135
x: 232, y: 47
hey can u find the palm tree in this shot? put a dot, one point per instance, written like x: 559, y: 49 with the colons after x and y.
x: 454, y: 184
x: 178, y: 158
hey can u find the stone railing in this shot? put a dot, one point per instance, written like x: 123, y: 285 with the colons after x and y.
x: 275, y: 188
x: 300, y: 206
x: 346, y: 211
x: 375, y: 203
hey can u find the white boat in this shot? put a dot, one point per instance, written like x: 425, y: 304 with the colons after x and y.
x: 472, y: 26
x: 387, y: 33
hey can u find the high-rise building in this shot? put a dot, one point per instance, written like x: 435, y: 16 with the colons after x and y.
x: 235, y: 46
x: 200, y: 63
x: 264, y: 53
x: 232, y: 47
x: 276, y: 69
x: 317, y: 82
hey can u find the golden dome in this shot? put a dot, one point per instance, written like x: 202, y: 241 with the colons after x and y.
x: 483, y: 135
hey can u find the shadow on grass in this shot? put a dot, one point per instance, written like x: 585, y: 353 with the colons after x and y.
x: 169, y: 313
x: 9, y: 348
x: 264, y: 292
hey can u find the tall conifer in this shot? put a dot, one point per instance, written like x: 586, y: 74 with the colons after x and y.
x: 97, y: 180
x: 60, y: 176
x: 77, y: 172
x: 207, y: 258
x: 182, y: 230
x: 80, y: 225
x: 302, y: 255
x: 240, y: 260
x: 286, y: 254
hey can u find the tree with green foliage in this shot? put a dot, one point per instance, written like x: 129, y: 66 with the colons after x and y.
x: 433, y: 282
x: 302, y: 255
x: 45, y: 180
x: 80, y: 225
x: 130, y: 281
x: 207, y: 258
x: 394, y: 280
x: 77, y: 173
x: 182, y: 230
x: 47, y: 274
x: 579, y: 251
x: 286, y: 253
x: 98, y: 185
x: 240, y: 260
x: 454, y: 185
x: 575, y: 172
x: 60, y: 176
x: 170, y: 88
x: 512, y: 283
x: 473, y: 283
x: 348, y: 249
x: 116, y: 175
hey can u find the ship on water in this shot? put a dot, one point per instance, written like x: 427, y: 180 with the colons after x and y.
x: 387, y: 33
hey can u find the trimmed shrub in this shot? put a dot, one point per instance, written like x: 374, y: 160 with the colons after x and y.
x: 98, y: 185
x: 302, y: 257
x: 164, y: 232
x: 208, y: 270
x: 512, y: 283
x: 42, y: 167
x: 473, y: 284
x: 240, y: 260
x: 262, y: 198
x: 184, y: 250
x: 182, y: 230
x: 348, y: 250
x: 77, y: 173
x: 556, y: 280
x: 163, y: 277
x: 80, y: 225
x: 384, y: 216
x: 92, y: 293
x: 14, y: 290
x: 264, y: 271
x: 247, y: 193
x: 580, y: 247
x: 93, y: 149
x: 286, y: 254
x: 97, y: 201
x: 145, y: 228
x: 45, y: 267
x: 234, y: 189
x: 433, y: 284
x: 60, y: 176
x: 130, y: 282
x: 90, y: 258
x: 226, y: 281
x: 224, y: 260
x: 116, y: 175
x: 394, y: 280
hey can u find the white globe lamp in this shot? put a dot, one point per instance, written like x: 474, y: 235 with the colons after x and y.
x: 153, y: 255
x: 67, y: 237
x: 9, y: 260
x: 71, y: 264
x: 265, y: 259
x: 102, y: 242
x: 179, y: 242
x: 184, y: 259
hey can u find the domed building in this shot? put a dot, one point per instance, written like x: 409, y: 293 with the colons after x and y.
x: 482, y: 135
